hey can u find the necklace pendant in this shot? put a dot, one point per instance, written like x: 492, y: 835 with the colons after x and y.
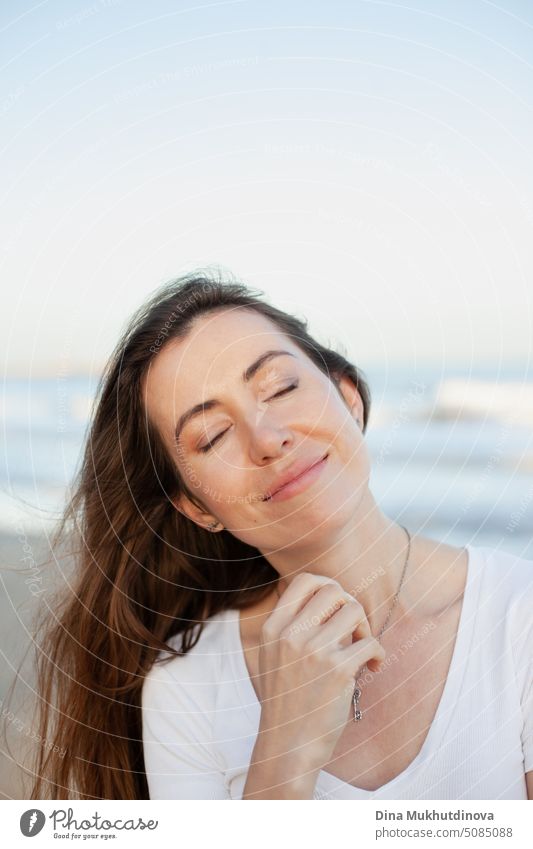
x: 357, y: 714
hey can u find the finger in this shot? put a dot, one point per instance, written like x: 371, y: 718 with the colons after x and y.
x: 361, y: 652
x: 301, y: 588
x: 321, y: 607
x: 350, y: 619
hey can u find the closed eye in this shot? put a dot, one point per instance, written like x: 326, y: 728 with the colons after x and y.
x: 283, y: 391
x: 209, y: 445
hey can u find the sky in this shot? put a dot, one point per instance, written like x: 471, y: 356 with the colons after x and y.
x: 364, y: 164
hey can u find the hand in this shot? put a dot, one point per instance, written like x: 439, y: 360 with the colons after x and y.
x: 313, y: 644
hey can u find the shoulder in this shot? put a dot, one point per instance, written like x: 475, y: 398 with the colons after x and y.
x: 502, y: 582
x: 207, y: 649
x: 179, y: 709
x: 505, y: 601
x: 192, y: 676
x: 506, y: 578
x: 437, y: 576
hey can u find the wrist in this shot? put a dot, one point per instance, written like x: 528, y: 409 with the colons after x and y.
x: 278, y: 777
x: 292, y: 746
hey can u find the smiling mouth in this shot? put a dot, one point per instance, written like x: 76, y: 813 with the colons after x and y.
x: 268, y: 497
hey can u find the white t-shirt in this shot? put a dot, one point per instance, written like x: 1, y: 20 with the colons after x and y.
x: 200, y: 714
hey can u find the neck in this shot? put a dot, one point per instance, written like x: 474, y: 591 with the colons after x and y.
x: 366, y: 556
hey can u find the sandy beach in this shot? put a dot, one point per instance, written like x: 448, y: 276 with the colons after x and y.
x: 26, y: 585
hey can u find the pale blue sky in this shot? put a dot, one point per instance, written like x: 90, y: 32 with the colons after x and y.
x: 367, y: 164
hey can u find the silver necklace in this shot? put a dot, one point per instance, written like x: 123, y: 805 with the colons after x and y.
x: 357, y: 712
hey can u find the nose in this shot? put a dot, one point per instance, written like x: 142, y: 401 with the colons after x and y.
x: 268, y: 439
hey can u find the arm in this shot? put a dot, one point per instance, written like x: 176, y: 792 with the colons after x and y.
x: 275, y: 774
x: 307, y: 665
x: 529, y: 782
x: 179, y: 759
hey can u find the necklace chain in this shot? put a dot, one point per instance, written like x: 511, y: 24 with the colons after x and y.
x: 358, y: 713
x: 397, y: 593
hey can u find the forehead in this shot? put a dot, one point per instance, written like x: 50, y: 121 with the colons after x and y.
x: 210, y: 359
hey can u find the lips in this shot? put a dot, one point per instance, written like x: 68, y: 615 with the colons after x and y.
x: 292, y: 472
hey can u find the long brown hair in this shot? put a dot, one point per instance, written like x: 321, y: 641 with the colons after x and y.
x: 143, y: 571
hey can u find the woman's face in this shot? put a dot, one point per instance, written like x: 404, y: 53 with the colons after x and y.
x: 232, y: 453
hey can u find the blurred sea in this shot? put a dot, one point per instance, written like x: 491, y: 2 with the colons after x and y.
x: 452, y: 453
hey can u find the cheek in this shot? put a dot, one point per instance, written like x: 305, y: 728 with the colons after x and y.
x: 359, y: 460
x: 342, y: 425
x: 222, y: 489
x: 350, y: 443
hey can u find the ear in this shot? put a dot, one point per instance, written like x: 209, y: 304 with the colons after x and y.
x: 352, y: 398
x: 195, y: 513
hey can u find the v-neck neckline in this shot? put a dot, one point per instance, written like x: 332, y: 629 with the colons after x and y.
x: 443, y: 713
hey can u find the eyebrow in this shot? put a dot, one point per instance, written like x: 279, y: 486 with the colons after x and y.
x: 246, y: 376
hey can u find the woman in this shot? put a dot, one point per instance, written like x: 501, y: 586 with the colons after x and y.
x: 247, y: 623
